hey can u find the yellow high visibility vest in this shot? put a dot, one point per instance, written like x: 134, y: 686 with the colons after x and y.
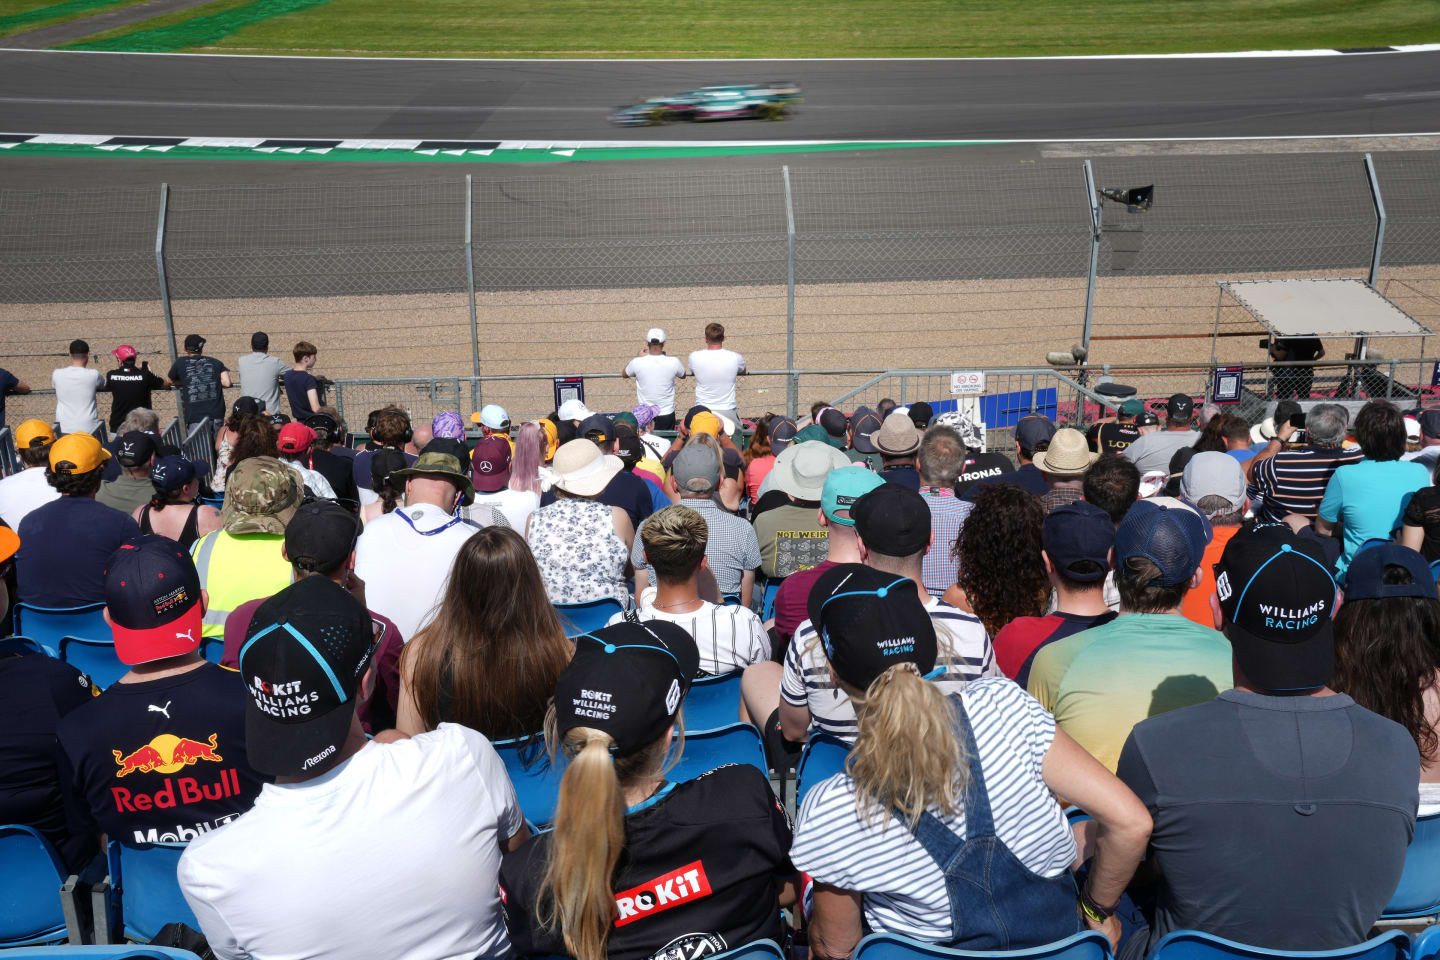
x: 235, y: 569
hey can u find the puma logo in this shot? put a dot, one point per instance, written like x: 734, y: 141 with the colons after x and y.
x: 165, y: 709
x: 186, y: 635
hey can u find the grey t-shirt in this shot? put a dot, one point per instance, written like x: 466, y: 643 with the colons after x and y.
x: 257, y: 379
x: 1154, y: 450
x: 1280, y: 822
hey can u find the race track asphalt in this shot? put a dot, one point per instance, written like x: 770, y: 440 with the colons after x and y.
x: 133, y: 94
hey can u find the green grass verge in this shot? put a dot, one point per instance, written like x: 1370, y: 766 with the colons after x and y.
x: 22, y: 16
x: 197, y: 27
x: 828, y: 28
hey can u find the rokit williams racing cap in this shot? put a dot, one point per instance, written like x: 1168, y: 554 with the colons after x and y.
x: 302, y: 661
x: 869, y: 621
x: 1277, y: 593
x: 627, y: 680
x: 152, y: 594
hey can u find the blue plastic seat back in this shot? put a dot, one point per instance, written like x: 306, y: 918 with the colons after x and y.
x: 96, y: 658
x: 48, y: 625
x: 1418, y: 894
x: 212, y: 648
x: 536, y: 782
x: 759, y: 950
x: 1194, y: 945
x: 31, y: 875
x: 24, y: 647
x: 888, y: 946
x: 823, y: 757
x: 713, y: 702
x: 149, y: 887
x: 118, y: 951
x: 730, y: 599
x: 707, y: 749
x: 581, y: 618
x: 1427, y: 943
x: 767, y: 600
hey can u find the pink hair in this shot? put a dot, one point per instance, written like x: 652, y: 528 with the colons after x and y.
x: 525, y: 466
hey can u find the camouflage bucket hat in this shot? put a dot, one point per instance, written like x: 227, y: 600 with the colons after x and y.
x: 260, y: 497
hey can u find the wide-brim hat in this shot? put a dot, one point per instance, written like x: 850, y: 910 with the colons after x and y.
x: 1067, y: 456
x: 801, y: 468
x: 435, y: 463
x: 581, y: 469
x: 897, y: 435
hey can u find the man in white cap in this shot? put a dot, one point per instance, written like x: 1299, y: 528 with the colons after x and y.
x: 790, y: 536
x: 494, y: 421
x: 573, y: 411
x: 655, y: 373
x: 1217, y: 489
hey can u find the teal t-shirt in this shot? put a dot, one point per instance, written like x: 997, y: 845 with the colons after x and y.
x: 1369, y: 498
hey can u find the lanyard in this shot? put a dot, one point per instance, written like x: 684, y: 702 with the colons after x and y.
x: 429, y: 533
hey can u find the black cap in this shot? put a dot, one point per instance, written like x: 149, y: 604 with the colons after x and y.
x: 782, y: 432
x: 134, y: 448
x: 386, y: 461
x: 1079, y: 531
x: 834, y: 422
x: 628, y: 680
x: 920, y: 414
x: 596, y: 428
x: 1277, y: 593
x: 327, y: 430
x: 1147, y: 419
x: 893, y: 519
x: 869, y: 621
x: 863, y: 424
x: 194, y: 342
x: 246, y: 405
x: 279, y: 419
x: 302, y: 661
x: 1180, y: 406
x: 1365, y: 576
x: 630, y: 449
x: 1034, y: 431
x: 320, y: 536
x: 79, y: 346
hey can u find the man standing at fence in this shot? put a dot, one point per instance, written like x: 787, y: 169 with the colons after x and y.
x: 655, y: 373
x: 260, y: 373
x: 129, y: 386
x: 1294, y: 381
x: 200, y: 379
x: 75, y: 388
x: 715, y: 369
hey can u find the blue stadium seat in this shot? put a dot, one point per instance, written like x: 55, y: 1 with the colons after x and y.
x: 1194, y: 945
x: 708, y: 749
x: 212, y: 648
x: 713, y: 702
x: 537, y: 784
x: 121, y: 951
x: 759, y: 950
x: 767, y: 600
x: 143, y: 879
x: 888, y: 946
x: 48, y: 625
x: 823, y: 757
x: 217, y: 502
x: 24, y: 646
x: 1418, y: 894
x: 1427, y: 944
x: 36, y: 899
x: 730, y: 599
x: 96, y: 658
x: 581, y: 618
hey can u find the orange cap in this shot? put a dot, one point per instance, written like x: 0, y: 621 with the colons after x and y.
x: 81, y: 450
x: 705, y: 422
x: 9, y: 543
x: 33, y: 433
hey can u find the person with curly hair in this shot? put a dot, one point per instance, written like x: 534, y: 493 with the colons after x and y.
x: 1002, y: 575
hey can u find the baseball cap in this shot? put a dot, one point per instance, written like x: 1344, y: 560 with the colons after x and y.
x: 1365, y: 576
x: 490, y: 464
x: 124, y: 352
x: 1147, y: 418
x: 246, y: 405
x: 596, y: 428
x: 1214, y: 474
x: 574, y: 410
x: 194, y: 342
x: 327, y: 427
x: 842, y: 488
x: 869, y: 621
x: 893, y: 519
x: 1132, y: 408
x: 172, y: 473
x: 863, y: 425
x: 1079, y: 531
x: 1430, y: 423
x: 1033, y: 431
x: 295, y: 438
x: 134, y: 448
x: 705, y: 422
x: 1180, y: 406
x: 321, y: 536
x: 77, y: 453
x: 279, y: 419
x: 1169, y: 533
x: 260, y: 496
x: 1277, y: 593
x: 446, y: 423
x: 835, y: 423
x: 782, y: 431
x: 696, y: 469
x: 79, y: 346
x: 552, y: 437
x: 627, y: 418
x: 9, y: 543
x: 655, y: 335
x: 304, y: 655
x: 33, y: 433
x: 630, y: 449
x: 492, y: 415
x: 627, y: 680
x: 152, y: 591
x: 920, y: 414
x: 1412, y: 428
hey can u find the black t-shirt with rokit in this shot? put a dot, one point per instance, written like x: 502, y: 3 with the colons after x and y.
x: 200, y: 390
x: 129, y: 387
x: 162, y: 760
x: 1112, y: 437
x: 699, y: 874
x: 35, y: 693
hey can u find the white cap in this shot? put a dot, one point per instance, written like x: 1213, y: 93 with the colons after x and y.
x: 656, y: 335
x: 494, y: 416
x: 1412, y: 428
x: 574, y: 410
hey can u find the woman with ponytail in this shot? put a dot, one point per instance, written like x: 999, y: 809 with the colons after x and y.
x: 635, y: 863
x: 944, y: 826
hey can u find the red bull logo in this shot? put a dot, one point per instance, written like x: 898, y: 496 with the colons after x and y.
x: 166, y: 753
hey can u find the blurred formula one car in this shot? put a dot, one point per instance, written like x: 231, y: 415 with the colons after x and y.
x: 745, y: 101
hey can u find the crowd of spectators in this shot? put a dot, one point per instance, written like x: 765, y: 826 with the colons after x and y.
x: 1219, y: 640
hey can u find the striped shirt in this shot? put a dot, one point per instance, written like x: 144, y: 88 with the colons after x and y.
x: 903, y: 889
x: 1293, y: 481
x: 729, y: 638
x: 965, y: 653
x: 731, y: 548
x: 947, y: 516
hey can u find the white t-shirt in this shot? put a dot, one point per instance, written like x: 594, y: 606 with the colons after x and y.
x: 729, y: 638
x: 903, y: 889
x: 404, y: 569
x: 517, y: 505
x: 75, y: 408
x: 395, y: 853
x: 22, y: 492
x: 656, y: 444
x: 714, y: 372
x: 965, y: 652
x: 313, y: 479
x: 655, y: 380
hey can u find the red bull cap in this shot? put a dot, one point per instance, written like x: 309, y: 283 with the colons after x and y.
x: 152, y: 591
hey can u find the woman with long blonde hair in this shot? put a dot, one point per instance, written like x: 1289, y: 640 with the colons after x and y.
x: 944, y: 826
x: 637, y: 864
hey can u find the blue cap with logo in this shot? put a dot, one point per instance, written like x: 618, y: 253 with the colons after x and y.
x: 842, y: 488
x: 1170, y: 533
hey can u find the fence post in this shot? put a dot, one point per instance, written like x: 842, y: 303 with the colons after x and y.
x: 1361, y: 343
x: 470, y: 294
x: 792, y: 398
x: 1093, y: 206
x: 160, y: 269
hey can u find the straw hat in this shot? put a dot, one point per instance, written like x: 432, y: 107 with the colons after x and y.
x: 1068, y: 455
x: 581, y: 469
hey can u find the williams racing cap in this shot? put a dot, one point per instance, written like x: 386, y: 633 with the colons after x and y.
x: 869, y: 621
